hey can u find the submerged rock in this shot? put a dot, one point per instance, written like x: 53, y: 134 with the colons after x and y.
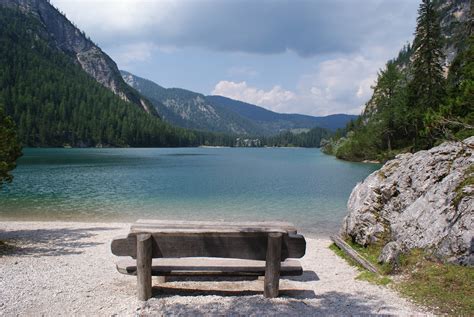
x: 421, y: 200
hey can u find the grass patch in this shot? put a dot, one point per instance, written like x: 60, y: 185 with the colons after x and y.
x: 468, y: 181
x: 371, y: 253
x: 445, y: 288
x: 374, y: 278
x: 364, y: 274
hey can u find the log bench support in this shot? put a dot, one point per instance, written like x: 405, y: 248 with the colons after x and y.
x: 272, y: 265
x: 144, y: 259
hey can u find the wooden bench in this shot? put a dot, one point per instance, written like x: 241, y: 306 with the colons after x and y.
x: 198, y: 248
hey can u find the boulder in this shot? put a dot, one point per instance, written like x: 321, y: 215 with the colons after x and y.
x: 422, y: 200
x: 390, y: 253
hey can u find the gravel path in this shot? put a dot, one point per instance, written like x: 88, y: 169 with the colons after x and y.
x: 62, y: 268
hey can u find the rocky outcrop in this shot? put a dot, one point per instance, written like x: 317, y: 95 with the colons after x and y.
x: 422, y: 200
x: 454, y: 16
x: 59, y: 32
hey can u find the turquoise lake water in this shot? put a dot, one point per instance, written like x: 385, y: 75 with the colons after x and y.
x: 303, y: 186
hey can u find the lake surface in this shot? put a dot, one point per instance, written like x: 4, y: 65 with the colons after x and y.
x: 303, y: 186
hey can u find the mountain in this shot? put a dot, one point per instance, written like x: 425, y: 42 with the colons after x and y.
x: 273, y: 121
x: 422, y: 97
x: 189, y: 109
x: 454, y: 18
x: 54, y: 101
x: 61, y: 34
x: 216, y: 113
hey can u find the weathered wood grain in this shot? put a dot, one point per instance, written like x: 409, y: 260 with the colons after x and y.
x: 354, y: 254
x: 272, y: 265
x: 211, y: 226
x: 208, y: 266
x: 144, y: 259
x: 242, y: 245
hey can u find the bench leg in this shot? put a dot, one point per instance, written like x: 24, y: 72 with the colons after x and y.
x: 144, y: 257
x: 272, y: 265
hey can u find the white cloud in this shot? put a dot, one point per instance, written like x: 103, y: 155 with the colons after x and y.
x: 110, y: 20
x: 339, y: 85
x: 275, y: 99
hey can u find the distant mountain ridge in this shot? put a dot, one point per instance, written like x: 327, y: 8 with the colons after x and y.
x: 216, y: 113
x: 281, y: 121
x: 60, y: 33
x: 189, y: 109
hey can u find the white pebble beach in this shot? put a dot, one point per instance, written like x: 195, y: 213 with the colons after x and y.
x: 66, y: 268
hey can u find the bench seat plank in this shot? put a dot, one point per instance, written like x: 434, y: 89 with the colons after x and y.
x: 212, y: 226
x: 208, y: 266
x: 247, y: 245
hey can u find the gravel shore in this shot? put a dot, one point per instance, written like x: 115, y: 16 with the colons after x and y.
x: 59, y: 268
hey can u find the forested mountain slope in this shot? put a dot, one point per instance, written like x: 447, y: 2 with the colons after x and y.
x: 58, y: 32
x: 54, y: 102
x: 422, y: 97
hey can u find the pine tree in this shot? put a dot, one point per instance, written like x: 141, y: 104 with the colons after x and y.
x: 390, y: 99
x: 455, y: 119
x: 426, y: 90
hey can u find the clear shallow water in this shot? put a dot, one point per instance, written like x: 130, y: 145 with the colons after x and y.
x: 302, y: 186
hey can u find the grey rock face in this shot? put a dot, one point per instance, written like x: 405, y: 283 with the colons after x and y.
x: 63, y: 35
x: 390, y: 253
x: 99, y: 66
x: 418, y: 200
x: 454, y: 15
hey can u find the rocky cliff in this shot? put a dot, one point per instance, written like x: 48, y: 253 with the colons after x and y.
x: 422, y: 200
x: 59, y: 32
x: 455, y: 16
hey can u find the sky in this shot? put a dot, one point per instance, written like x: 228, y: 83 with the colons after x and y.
x: 316, y: 57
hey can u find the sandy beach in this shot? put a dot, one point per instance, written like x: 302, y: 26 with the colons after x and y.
x: 66, y: 268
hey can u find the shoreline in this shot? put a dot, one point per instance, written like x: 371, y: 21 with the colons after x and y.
x: 74, y: 273
x: 127, y: 222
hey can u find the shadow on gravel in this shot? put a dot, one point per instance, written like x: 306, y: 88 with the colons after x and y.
x: 48, y: 242
x: 330, y: 303
x: 176, y: 291
x: 209, y: 278
x: 307, y: 276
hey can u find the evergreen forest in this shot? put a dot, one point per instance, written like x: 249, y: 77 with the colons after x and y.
x: 414, y: 105
x: 55, y: 103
